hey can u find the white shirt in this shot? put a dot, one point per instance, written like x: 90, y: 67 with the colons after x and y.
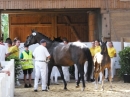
x: 41, y: 53
x: 2, y: 52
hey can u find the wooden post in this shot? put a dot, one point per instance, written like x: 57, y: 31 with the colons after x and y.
x: 105, y: 25
x: 92, y: 26
x: 0, y: 26
x: 54, y: 25
x: 122, y: 43
x: 124, y: 39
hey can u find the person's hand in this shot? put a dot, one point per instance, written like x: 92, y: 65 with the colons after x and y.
x: 48, y: 60
x: 7, y: 72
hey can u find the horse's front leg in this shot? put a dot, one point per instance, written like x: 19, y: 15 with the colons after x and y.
x: 102, y: 86
x: 49, y: 74
x: 62, y: 76
x: 110, y: 78
x: 96, y: 75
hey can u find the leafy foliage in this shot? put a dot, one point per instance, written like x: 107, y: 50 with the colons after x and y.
x: 5, y: 25
x: 124, y: 61
x: 17, y: 63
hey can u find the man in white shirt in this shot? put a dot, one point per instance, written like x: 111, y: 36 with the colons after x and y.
x: 2, y: 56
x: 2, y: 52
x: 41, y: 54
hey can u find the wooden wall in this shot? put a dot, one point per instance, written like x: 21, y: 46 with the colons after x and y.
x: 43, y: 4
x: 120, y: 24
x: 73, y: 26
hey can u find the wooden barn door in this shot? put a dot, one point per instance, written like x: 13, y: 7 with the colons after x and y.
x: 65, y: 25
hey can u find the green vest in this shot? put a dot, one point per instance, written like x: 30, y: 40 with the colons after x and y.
x: 27, y: 64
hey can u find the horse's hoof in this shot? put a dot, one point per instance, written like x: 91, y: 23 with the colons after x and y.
x: 65, y: 89
x: 48, y: 88
x: 82, y: 89
x: 77, y: 86
x: 96, y: 87
x: 111, y: 89
x: 102, y: 89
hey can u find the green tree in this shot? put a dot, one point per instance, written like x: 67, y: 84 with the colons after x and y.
x: 5, y: 25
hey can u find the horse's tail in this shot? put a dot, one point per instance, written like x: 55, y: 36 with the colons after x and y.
x: 90, y: 63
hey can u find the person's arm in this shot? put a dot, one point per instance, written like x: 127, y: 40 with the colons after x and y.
x: 34, y: 55
x: 5, y: 71
x: 21, y: 56
x: 114, y: 52
x: 12, y: 50
x: 47, y: 55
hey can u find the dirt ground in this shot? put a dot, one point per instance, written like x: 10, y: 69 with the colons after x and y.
x: 120, y: 89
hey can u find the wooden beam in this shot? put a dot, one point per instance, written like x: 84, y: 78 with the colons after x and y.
x: 31, y: 25
x: 54, y: 25
x: 40, y: 19
x: 65, y: 24
x: 72, y: 28
x: 75, y: 24
x: 46, y: 25
x: 0, y: 26
x: 55, y: 11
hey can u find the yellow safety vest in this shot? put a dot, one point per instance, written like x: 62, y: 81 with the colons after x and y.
x: 27, y: 64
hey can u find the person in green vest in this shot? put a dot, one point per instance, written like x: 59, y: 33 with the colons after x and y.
x: 27, y: 65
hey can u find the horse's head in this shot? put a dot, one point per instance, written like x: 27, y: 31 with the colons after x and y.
x: 103, y: 47
x: 31, y: 39
x: 36, y: 37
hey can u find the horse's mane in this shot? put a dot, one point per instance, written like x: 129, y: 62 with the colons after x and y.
x: 44, y: 36
x: 58, y: 39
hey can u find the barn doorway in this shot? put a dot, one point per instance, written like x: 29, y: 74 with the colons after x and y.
x: 5, y: 26
x: 73, y: 24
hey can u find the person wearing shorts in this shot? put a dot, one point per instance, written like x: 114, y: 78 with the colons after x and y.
x: 27, y: 65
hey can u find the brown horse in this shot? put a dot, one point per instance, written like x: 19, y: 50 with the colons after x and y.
x: 102, y: 61
x: 65, y: 55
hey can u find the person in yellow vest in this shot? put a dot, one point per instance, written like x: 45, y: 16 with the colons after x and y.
x: 112, y: 54
x: 92, y: 49
x: 97, y: 47
x: 27, y: 65
x: 97, y: 50
x: 14, y: 50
